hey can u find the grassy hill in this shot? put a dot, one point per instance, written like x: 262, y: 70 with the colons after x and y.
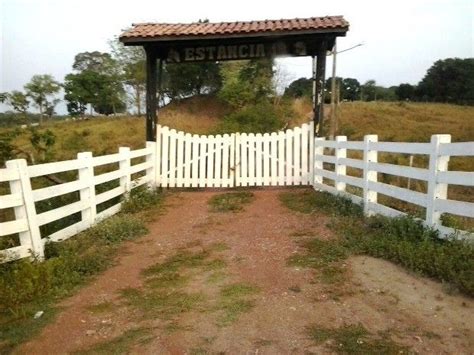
x: 201, y: 115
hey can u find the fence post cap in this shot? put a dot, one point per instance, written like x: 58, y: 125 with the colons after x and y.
x: 341, y: 138
x: 441, y: 138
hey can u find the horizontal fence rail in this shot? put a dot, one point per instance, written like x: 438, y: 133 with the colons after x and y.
x: 331, y: 163
x: 88, y: 186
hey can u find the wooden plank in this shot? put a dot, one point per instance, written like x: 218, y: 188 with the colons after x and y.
x: 414, y: 197
x: 53, y: 168
x: 258, y: 159
x: 464, y: 178
x: 251, y: 180
x: 331, y: 189
x: 105, y: 159
x: 384, y: 210
x: 165, y: 157
x: 296, y: 156
x: 233, y: 176
x: 244, y: 155
x: 57, y: 190
x: 140, y: 152
x: 61, y: 212
x: 188, y: 147
x: 459, y: 208
x: 266, y: 159
x: 289, y: 157
x: 274, y: 159
x: 106, y: 177
x: 326, y: 158
x: 12, y: 227
x: 195, y: 161
x: 202, y: 161
x: 9, y: 174
x: 354, y: 163
x: 401, y: 147
x: 109, y: 212
x: 211, y: 142
x: 218, y: 161
x: 457, y: 149
x: 324, y: 143
x: 172, y: 159
x: 180, y: 159
x: 158, y: 157
x: 304, y: 154
x: 68, y: 232
x: 12, y: 200
x: 140, y: 167
x: 225, y: 160
x: 107, y: 195
x: 400, y: 170
x: 352, y: 145
x: 281, y: 158
x: 14, y: 253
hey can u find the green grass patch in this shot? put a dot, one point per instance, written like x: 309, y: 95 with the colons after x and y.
x: 121, y: 344
x: 355, y: 339
x: 402, y: 240
x: 27, y: 287
x: 234, y: 300
x: 230, y: 202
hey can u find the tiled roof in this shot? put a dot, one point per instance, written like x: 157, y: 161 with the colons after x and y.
x: 165, y: 31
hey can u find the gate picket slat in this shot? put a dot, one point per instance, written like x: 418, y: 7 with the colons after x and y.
x: 172, y: 170
x: 235, y: 159
x: 180, y: 158
x: 289, y: 157
x: 266, y: 159
x: 187, y: 160
x: 195, y: 161
x: 258, y: 158
x: 304, y: 154
x: 273, y: 158
x: 210, y: 161
x: 281, y: 158
x: 225, y: 160
x: 297, y: 160
x: 158, y: 158
x: 251, y: 163
x: 218, y: 164
x: 165, y: 154
x: 244, y: 159
x: 202, y: 161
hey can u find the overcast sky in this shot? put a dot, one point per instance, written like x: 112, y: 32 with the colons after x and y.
x: 401, y: 39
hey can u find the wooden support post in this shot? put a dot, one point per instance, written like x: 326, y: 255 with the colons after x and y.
x: 151, y: 78
x: 86, y: 174
x: 320, y: 81
x: 340, y: 169
x: 370, y: 156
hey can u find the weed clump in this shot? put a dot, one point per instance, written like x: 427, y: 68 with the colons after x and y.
x: 230, y: 202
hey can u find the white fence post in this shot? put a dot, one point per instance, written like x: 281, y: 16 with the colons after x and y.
x: 150, y: 172
x: 318, y: 164
x: 436, y: 190
x: 124, y: 166
x: 339, y: 168
x: 370, y: 156
x: 31, y: 237
x: 86, y: 174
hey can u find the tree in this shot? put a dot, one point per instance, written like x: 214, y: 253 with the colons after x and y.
x: 3, y: 97
x: 405, y: 92
x: 350, y: 89
x: 188, y: 79
x: 299, y: 88
x: 18, y: 101
x: 449, y: 80
x: 368, y: 91
x: 40, y: 89
x: 97, y: 82
x: 132, y: 63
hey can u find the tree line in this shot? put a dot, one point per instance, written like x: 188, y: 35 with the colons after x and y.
x: 111, y: 83
x: 449, y: 81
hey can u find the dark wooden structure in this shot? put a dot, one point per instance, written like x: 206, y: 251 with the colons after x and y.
x: 195, y: 42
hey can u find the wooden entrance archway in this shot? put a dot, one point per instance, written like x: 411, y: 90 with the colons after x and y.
x: 203, y: 41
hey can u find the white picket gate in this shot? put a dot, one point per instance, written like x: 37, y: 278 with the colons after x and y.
x: 237, y: 159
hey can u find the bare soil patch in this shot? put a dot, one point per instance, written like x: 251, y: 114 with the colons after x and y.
x: 214, y: 282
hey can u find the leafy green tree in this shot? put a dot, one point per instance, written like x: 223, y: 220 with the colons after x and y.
x: 368, y: 91
x: 449, y: 80
x: 405, y: 92
x: 131, y: 61
x: 40, y: 89
x: 299, y: 88
x: 3, y: 97
x: 18, y: 101
x: 189, y: 79
x: 350, y: 89
x: 98, y: 82
x: 247, y: 82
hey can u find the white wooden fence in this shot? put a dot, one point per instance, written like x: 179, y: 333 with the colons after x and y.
x: 23, y: 198
x: 437, y: 175
x: 183, y: 160
x: 238, y: 159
